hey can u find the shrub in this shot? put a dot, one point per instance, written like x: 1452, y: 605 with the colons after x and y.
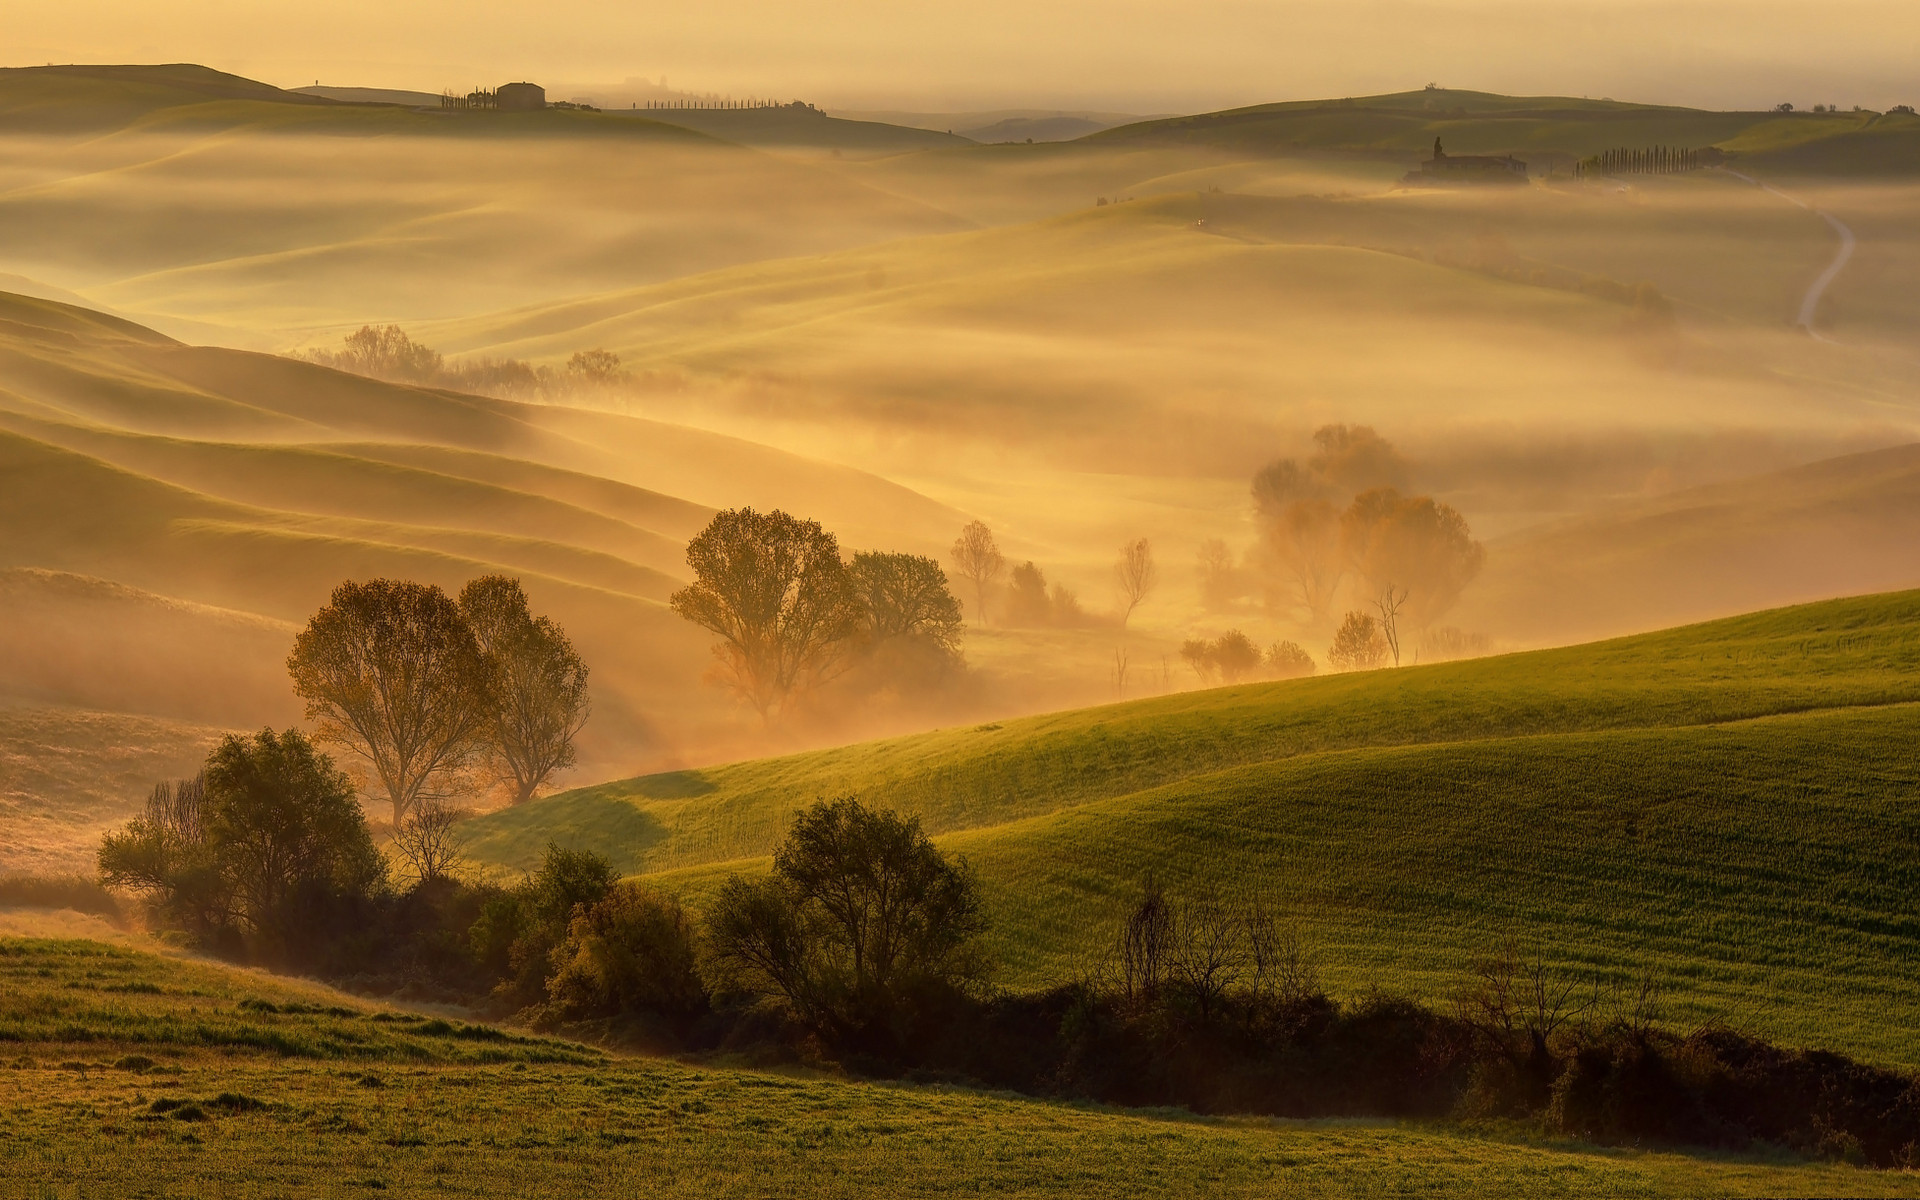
x: 863, y: 929
x: 1357, y: 644
x: 1286, y: 660
x: 632, y: 951
x: 269, y: 843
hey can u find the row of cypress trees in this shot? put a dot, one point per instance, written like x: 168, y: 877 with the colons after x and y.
x: 1651, y: 160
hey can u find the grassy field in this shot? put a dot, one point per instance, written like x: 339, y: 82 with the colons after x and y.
x: 1724, y: 804
x: 134, y: 1073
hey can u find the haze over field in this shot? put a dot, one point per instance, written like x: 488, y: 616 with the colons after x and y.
x: 1082, y: 343
x: 1225, y: 561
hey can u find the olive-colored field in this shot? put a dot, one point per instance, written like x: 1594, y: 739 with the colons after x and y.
x: 132, y: 1074
x: 1727, y: 805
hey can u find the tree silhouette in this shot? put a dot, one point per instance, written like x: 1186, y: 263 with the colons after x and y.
x: 775, y: 591
x: 537, y: 683
x: 979, y: 561
x: 390, y: 671
x: 1136, y: 575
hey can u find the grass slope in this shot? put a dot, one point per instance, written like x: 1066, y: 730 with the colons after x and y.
x: 132, y: 1072
x: 1727, y: 804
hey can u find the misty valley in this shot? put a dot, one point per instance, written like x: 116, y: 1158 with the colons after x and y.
x: 655, y: 642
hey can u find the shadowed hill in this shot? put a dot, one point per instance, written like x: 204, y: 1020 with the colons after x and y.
x: 799, y: 127
x: 1405, y: 124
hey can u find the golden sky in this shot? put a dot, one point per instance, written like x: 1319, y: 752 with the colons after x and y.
x: 1132, y: 55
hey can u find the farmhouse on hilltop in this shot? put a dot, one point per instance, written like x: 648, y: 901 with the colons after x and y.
x: 521, y: 97
x: 1468, y: 168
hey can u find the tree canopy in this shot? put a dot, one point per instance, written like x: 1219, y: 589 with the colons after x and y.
x: 390, y: 671
x: 536, y: 683
x: 775, y: 591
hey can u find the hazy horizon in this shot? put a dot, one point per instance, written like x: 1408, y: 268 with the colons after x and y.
x: 1148, y: 57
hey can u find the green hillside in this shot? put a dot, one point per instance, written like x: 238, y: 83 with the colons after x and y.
x: 1728, y: 804
x: 133, y: 1072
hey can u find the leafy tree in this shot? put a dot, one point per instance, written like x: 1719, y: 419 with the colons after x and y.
x: 904, y: 597
x: 1357, y: 644
x: 979, y: 561
x: 1414, y: 544
x: 1198, y: 654
x: 163, y: 855
x: 391, y: 672
x: 1286, y: 660
x: 1236, y: 656
x: 537, y: 683
x: 863, y: 920
x: 384, y: 352
x: 282, y: 820
x: 1136, y: 575
x: 1027, y: 601
x: 517, y: 932
x: 260, y: 844
x: 775, y: 591
x: 631, y: 951
x: 1296, y: 506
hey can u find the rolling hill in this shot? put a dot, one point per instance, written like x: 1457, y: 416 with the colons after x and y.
x: 1552, y: 130
x: 1725, y: 804
x: 172, y: 514
x: 1847, y: 524
x: 799, y: 127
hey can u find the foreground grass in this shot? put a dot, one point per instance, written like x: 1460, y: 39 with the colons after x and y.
x: 234, y: 1117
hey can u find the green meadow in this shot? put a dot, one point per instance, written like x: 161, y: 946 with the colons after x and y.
x: 1727, y: 806
x: 131, y: 1073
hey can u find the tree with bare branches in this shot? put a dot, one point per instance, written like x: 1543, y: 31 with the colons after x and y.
x: 1388, y: 604
x: 775, y: 591
x: 537, y: 683
x: 430, y: 840
x: 390, y: 672
x: 979, y: 561
x: 1136, y: 575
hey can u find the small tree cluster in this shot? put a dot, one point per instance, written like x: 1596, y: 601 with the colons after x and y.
x: 792, y: 615
x: 1233, y: 657
x: 862, y: 928
x: 1229, y: 658
x: 1207, y: 952
x: 423, y: 689
x: 386, y: 352
x: 268, y: 846
x: 1340, y: 517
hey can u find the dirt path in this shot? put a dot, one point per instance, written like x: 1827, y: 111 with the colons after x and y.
x: 1810, y: 303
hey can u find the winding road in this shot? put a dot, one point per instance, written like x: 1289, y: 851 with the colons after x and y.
x: 1810, y: 303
